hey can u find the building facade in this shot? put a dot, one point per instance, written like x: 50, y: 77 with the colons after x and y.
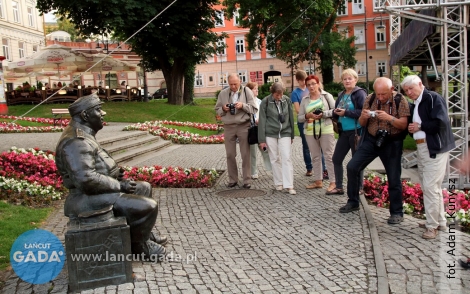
x: 21, y: 28
x: 359, y: 16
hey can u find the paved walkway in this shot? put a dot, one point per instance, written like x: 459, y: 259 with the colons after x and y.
x: 276, y: 243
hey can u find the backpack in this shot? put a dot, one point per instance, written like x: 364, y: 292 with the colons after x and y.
x: 397, y: 98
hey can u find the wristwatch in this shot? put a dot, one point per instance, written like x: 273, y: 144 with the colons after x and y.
x: 419, y: 127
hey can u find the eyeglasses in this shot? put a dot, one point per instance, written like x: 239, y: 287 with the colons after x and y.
x: 312, y: 84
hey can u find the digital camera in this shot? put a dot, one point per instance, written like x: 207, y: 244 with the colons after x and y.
x: 381, y: 135
x: 317, y: 111
x: 282, y: 118
x: 231, y: 106
x: 373, y: 113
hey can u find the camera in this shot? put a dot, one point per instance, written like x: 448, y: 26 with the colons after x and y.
x: 380, y: 136
x: 317, y: 111
x: 372, y: 113
x: 282, y: 118
x: 231, y: 106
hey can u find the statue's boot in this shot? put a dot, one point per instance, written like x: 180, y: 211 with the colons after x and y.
x: 162, y: 240
x: 149, y: 250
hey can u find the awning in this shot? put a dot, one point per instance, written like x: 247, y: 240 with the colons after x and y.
x: 411, y: 47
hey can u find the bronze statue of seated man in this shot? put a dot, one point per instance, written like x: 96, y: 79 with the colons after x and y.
x: 95, y: 181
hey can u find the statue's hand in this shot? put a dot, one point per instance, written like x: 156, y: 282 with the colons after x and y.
x: 128, y: 186
x: 121, y: 174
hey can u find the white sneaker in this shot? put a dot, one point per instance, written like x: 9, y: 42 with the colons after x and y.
x: 292, y: 191
x: 279, y: 188
x: 254, y: 177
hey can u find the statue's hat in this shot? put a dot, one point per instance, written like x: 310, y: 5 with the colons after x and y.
x: 84, y: 103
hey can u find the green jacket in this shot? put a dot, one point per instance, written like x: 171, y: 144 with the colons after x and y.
x: 269, y: 124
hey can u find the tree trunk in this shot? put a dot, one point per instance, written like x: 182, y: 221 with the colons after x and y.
x: 189, y: 84
x: 174, y: 77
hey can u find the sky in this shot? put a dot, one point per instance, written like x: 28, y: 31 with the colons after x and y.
x: 49, y: 17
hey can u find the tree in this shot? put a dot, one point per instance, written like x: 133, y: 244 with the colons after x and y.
x: 295, y: 31
x: 174, y: 42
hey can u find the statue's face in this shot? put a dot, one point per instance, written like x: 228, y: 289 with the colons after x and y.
x: 95, y: 118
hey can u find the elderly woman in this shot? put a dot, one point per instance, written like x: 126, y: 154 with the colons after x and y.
x: 348, y: 109
x: 316, y: 110
x: 276, y: 134
x: 254, y: 148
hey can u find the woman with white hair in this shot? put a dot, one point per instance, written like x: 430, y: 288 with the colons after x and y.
x: 276, y: 134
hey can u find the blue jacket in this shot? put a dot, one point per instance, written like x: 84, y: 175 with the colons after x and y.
x: 435, y: 123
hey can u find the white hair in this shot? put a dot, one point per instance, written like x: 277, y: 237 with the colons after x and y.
x: 410, y: 80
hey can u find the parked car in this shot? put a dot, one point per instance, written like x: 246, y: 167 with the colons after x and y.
x: 149, y: 96
x: 160, y: 93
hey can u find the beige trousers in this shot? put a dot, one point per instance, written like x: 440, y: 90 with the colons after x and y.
x: 431, y: 172
x: 326, y: 143
x: 231, y: 133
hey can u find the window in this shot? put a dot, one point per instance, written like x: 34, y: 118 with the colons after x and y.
x: 35, y: 48
x: 240, y: 45
x: 30, y: 16
x: 21, y: 49
x: 223, y: 79
x: 243, y: 76
x: 198, y: 81
x: 221, y: 44
x: 236, y: 17
x: 357, y: 7
x: 343, y: 9
x: 361, y: 68
x: 6, y: 49
x: 381, y: 68
x: 211, y: 78
x: 310, y: 70
x: 16, y: 11
x: 219, y: 19
x: 1, y: 9
x: 360, y: 40
x: 377, y: 4
x: 379, y: 36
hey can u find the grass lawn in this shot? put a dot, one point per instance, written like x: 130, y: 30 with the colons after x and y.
x: 15, y: 220
x: 202, y: 110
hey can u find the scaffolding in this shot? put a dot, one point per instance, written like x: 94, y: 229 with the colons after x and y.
x: 451, y: 22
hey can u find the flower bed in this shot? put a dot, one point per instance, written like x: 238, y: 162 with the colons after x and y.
x: 30, y: 177
x: 376, y: 191
x: 158, y: 128
x: 8, y: 127
x: 15, y: 128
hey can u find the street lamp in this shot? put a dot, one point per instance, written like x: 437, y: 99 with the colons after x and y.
x: 381, y: 29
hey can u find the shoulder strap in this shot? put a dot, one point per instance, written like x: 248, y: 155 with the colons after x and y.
x: 371, y: 100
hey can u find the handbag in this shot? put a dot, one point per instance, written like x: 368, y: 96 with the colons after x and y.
x: 357, y: 136
x: 337, y: 127
x: 253, y: 131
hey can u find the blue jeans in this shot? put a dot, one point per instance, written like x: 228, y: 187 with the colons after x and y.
x: 390, y: 154
x: 345, y: 142
x: 306, y: 152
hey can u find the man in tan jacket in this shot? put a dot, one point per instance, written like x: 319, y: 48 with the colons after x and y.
x: 235, y: 106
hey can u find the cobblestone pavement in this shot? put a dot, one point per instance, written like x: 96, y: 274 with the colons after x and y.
x: 276, y: 242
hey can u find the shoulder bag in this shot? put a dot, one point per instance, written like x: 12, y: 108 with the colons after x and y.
x: 253, y: 131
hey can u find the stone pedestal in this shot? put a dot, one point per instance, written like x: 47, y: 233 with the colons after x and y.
x: 98, y: 251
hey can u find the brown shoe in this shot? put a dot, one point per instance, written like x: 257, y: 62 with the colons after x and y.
x: 331, y: 187
x: 423, y: 225
x: 309, y: 173
x: 430, y: 233
x: 315, y: 185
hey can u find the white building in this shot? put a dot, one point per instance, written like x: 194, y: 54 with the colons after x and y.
x: 21, y: 28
